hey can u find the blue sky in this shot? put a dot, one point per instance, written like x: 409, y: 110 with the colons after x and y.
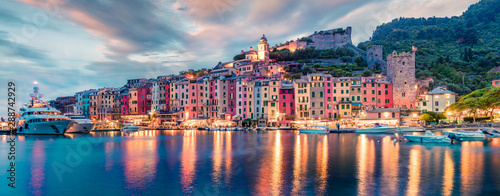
x: 69, y: 45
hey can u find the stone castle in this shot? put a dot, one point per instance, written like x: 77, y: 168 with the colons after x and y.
x: 322, y: 40
x: 401, y: 72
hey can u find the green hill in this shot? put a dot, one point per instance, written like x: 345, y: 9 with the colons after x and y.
x: 449, y: 49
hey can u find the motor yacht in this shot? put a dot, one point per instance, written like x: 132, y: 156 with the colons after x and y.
x: 315, y: 129
x: 465, y: 135
x: 427, y: 137
x: 81, y: 124
x: 377, y: 128
x: 129, y: 127
x: 39, y: 119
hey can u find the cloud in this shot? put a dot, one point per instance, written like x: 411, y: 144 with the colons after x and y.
x: 126, y: 26
x: 100, y: 43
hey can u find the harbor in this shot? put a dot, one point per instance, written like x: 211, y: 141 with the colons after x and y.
x: 194, y: 162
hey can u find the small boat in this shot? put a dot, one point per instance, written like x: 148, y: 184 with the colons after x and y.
x: 377, y: 129
x: 410, y: 129
x: 130, y: 127
x: 464, y: 135
x: 315, y: 129
x: 427, y: 137
x: 490, y: 132
x: 271, y: 128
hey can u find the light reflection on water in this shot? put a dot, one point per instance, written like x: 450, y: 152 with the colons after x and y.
x: 258, y: 163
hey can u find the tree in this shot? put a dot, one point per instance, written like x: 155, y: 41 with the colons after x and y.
x: 367, y: 73
x: 239, y: 57
x: 426, y: 117
x: 440, y: 116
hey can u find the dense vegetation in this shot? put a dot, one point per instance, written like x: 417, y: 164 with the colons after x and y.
x: 450, y: 50
x: 483, y: 101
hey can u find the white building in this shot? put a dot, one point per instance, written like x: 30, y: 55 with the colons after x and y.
x: 437, y: 100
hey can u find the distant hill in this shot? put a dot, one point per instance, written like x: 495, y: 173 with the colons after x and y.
x: 449, y: 48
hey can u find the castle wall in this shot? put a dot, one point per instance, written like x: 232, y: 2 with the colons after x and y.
x: 401, y: 72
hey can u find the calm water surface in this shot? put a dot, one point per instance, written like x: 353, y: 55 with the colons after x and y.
x: 264, y: 163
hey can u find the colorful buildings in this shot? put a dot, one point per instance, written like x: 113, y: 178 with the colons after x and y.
x: 253, y: 91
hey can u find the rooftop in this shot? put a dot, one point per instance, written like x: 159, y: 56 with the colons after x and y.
x: 439, y: 91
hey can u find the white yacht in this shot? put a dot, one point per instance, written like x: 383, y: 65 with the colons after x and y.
x: 377, y: 129
x: 427, y: 137
x: 315, y: 129
x: 129, y: 127
x: 81, y: 124
x: 37, y: 118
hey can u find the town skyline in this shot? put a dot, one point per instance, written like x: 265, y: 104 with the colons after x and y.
x: 67, y: 69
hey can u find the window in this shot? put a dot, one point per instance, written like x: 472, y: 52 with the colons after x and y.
x: 321, y: 94
x: 343, y: 106
x: 379, y: 92
x: 347, y: 106
x: 373, y: 92
x: 447, y: 103
x: 403, y: 94
x: 313, y: 94
x: 436, y: 103
x: 272, y: 104
x: 373, y: 99
x: 284, y: 104
x: 364, y: 84
x: 328, y: 91
x: 364, y: 99
x: 364, y: 92
x: 379, y: 116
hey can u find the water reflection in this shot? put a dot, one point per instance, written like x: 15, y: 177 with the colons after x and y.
x: 414, y: 172
x: 471, y: 167
x: 188, y: 160
x: 263, y: 163
x: 365, y: 164
x: 299, y: 163
x: 449, y: 172
x: 390, y: 169
x: 141, y: 159
x: 37, y: 168
x: 322, y: 165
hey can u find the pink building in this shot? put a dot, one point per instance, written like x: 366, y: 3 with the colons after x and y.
x: 231, y: 99
x: 329, y: 102
x: 286, y: 104
x: 495, y: 83
x: 124, y: 105
x: 376, y: 93
x: 191, y: 96
x: 390, y: 116
x: 143, y: 100
x: 167, y: 96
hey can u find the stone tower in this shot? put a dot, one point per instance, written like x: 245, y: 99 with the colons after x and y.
x: 374, y: 55
x: 401, y: 72
x: 263, y: 50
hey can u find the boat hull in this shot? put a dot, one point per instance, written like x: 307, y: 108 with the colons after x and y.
x: 130, y: 128
x: 80, y: 128
x: 376, y: 130
x: 45, y: 128
x: 423, y: 138
x: 313, y: 131
x: 465, y: 135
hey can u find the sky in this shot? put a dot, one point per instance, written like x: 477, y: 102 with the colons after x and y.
x: 72, y: 45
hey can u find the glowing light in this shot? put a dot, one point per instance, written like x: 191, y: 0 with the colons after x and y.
x: 414, y: 115
x: 35, y: 82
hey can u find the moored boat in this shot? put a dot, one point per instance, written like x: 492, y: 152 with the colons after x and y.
x: 81, y: 124
x: 427, y: 137
x: 377, y: 129
x: 315, y: 129
x: 130, y: 127
x: 464, y: 135
x: 37, y: 118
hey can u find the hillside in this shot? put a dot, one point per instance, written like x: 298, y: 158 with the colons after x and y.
x: 449, y: 49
